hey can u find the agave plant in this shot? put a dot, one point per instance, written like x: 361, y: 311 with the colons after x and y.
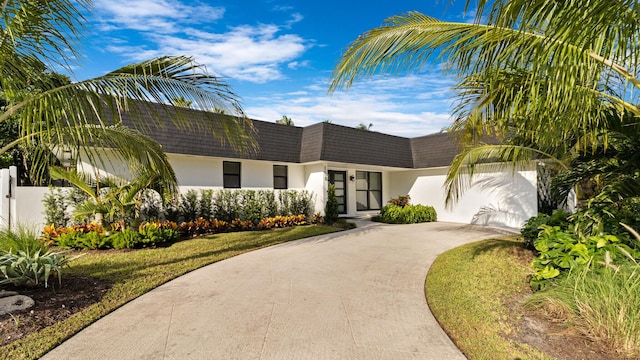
x: 31, y: 268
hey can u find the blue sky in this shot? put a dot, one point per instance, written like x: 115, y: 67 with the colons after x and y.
x: 278, y: 56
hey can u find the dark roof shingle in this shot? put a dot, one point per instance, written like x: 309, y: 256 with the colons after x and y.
x: 317, y: 142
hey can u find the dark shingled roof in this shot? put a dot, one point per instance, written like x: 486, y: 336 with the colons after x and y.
x: 318, y: 142
x: 356, y: 146
x: 434, y: 150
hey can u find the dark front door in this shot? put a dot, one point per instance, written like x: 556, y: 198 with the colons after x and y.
x: 339, y: 180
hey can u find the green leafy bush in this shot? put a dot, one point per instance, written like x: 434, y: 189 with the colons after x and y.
x: 601, y: 215
x: 55, y: 207
x: 150, y: 206
x: 410, y: 214
x: 331, y: 210
x: 252, y: 208
x: 561, y: 251
x: 92, y: 237
x: 157, y: 233
x: 205, y: 204
x: 531, y: 228
x: 270, y: 205
x: 301, y: 204
x: 125, y: 239
x: 189, y: 205
x: 31, y: 268
x: 227, y: 205
x: 93, y: 240
x: 68, y: 239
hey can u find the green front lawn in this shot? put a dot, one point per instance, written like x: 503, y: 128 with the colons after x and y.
x: 133, y: 273
x: 467, y: 289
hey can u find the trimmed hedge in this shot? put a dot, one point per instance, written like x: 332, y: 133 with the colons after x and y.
x: 409, y: 214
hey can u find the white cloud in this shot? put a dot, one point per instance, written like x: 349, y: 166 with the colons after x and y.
x: 298, y: 64
x: 153, y: 15
x: 295, y: 18
x: 393, y: 105
x: 255, y: 53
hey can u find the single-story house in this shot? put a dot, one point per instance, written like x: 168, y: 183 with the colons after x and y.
x: 368, y: 168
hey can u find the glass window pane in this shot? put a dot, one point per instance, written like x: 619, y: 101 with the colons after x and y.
x: 361, y: 180
x: 231, y: 167
x: 280, y: 182
x: 338, y: 177
x: 375, y: 200
x: 361, y: 200
x: 279, y: 170
x: 339, y: 192
x: 375, y: 181
x: 231, y: 181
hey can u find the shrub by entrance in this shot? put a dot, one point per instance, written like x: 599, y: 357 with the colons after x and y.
x: 400, y: 211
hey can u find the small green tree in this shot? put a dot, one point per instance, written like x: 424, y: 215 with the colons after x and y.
x: 55, y: 207
x: 331, y: 207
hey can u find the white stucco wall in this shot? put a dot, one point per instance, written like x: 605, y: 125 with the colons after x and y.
x: 202, y: 171
x: 29, y: 206
x: 192, y: 172
x: 315, y: 181
x: 496, y: 199
x: 109, y: 164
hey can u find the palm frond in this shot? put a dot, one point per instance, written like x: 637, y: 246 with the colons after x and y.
x: 39, y: 31
x: 74, y: 178
x: 89, y: 113
x: 108, y: 147
x: 144, y: 91
x: 489, y: 158
x: 557, y: 80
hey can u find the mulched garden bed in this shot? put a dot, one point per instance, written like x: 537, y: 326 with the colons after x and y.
x: 52, y: 304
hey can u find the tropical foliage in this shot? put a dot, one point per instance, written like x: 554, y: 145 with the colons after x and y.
x: 546, y: 79
x: 109, y: 199
x: 26, y: 260
x: 410, y: 214
x: 85, y: 115
x: 400, y: 211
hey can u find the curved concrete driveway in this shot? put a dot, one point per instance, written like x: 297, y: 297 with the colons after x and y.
x: 353, y: 295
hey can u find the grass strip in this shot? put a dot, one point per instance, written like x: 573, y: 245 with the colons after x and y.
x: 134, y: 273
x: 466, y: 289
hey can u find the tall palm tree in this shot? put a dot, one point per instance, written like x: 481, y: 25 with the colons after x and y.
x: 86, y: 114
x: 548, y: 73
